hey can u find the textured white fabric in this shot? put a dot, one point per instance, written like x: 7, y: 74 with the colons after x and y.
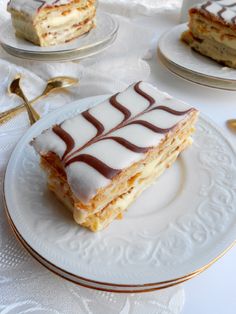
x: 25, y: 286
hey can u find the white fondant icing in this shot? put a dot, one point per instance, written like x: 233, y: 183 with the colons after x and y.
x: 84, y: 188
x: 216, y: 6
x: 103, y: 112
x: 80, y: 137
x: 161, y: 118
x: 31, y: 7
x: 112, y: 154
x: 85, y: 180
x: 133, y: 101
x: 135, y: 134
x: 48, y: 141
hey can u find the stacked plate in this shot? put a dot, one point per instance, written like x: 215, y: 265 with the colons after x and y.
x: 183, y: 61
x: 92, y: 43
x: 176, y: 229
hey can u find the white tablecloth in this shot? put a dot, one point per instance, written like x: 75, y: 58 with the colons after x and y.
x: 26, y: 286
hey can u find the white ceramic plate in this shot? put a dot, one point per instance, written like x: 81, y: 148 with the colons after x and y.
x: 176, y: 228
x: 185, y: 62
x: 67, y: 56
x: 93, y: 42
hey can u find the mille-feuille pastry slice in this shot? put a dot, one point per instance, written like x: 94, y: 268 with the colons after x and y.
x: 212, y: 30
x: 50, y: 22
x: 100, y: 161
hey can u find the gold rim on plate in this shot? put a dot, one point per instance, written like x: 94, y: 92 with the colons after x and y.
x: 195, y: 77
x: 32, y: 253
x: 67, y: 56
x: 63, y: 56
x: 64, y: 51
x: 104, y: 285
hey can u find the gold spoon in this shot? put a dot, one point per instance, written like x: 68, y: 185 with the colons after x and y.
x: 52, y: 85
x: 231, y: 124
x: 15, y: 88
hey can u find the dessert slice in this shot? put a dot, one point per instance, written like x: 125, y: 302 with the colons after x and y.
x: 50, y: 22
x: 100, y: 161
x: 212, y: 31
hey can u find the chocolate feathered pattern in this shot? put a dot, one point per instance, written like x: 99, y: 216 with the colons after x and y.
x: 42, y: 3
x: 222, y: 10
x: 97, y: 164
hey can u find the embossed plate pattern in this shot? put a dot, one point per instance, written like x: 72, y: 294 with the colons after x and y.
x: 89, y: 44
x: 176, y: 227
x: 185, y: 62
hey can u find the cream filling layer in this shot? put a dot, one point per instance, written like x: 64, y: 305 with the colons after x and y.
x: 138, y: 178
x: 58, y: 37
x: 31, y: 8
x: 95, y: 166
x: 102, y: 219
x: 56, y: 25
x: 212, y: 49
x: 56, y: 19
x: 203, y: 28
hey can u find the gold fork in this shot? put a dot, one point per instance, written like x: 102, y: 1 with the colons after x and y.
x: 231, y: 124
x: 15, y: 88
x: 52, y: 85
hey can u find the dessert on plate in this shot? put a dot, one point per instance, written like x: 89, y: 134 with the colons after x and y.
x: 212, y: 30
x: 50, y: 22
x: 99, y: 161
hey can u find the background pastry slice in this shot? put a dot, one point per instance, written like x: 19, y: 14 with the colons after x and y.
x: 212, y: 30
x: 100, y: 161
x: 48, y: 22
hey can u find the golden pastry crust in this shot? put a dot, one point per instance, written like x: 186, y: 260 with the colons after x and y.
x: 211, y: 48
x: 211, y: 17
x: 100, y: 160
x: 111, y: 201
x: 212, y: 31
x: 55, y: 25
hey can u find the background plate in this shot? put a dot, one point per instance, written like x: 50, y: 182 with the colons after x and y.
x: 185, y: 62
x: 176, y: 227
x: 91, y: 43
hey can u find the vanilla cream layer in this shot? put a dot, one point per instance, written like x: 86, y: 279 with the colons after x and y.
x: 54, y: 19
x: 212, y: 49
x: 33, y: 7
x: 223, y: 10
x: 137, y: 176
x: 202, y: 28
x: 102, y: 219
x: 84, y: 180
x: 55, y: 26
x: 61, y: 28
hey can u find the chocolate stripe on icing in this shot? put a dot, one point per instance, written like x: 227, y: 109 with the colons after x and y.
x: 114, y: 102
x: 97, y: 124
x: 143, y: 94
x: 218, y: 11
x: 230, y: 5
x: 221, y: 12
x: 95, y: 163
x: 121, y: 108
x: 169, y: 110
x: 67, y: 139
x: 42, y: 2
x: 151, y: 126
x: 233, y: 20
x: 206, y: 5
x: 134, y: 148
x: 226, y: 5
